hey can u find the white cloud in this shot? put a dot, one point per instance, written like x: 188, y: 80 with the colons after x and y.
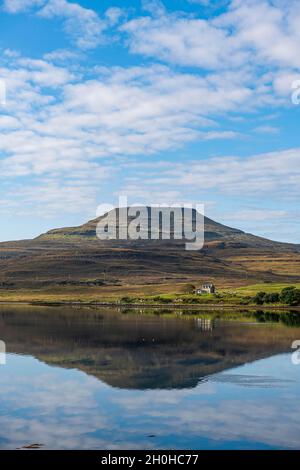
x: 276, y: 173
x: 8, y: 122
x: 61, y: 55
x: 44, y: 73
x: 19, y: 6
x: 56, y: 121
x: 257, y: 36
x: 257, y: 215
x: 183, y: 41
x: 59, y: 124
x: 211, y: 3
x: 49, y: 197
x: 267, y: 130
x: 81, y: 23
x: 267, y: 28
x: 113, y: 15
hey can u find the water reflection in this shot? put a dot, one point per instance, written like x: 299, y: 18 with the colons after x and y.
x: 139, y: 351
x: 144, y: 381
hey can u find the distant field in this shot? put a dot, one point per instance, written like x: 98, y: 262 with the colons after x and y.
x: 147, y: 293
x: 264, y: 287
x: 277, y: 264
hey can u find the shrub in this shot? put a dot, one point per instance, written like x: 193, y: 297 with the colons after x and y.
x: 272, y: 298
x: 161, y: 300
x: 189, y: 288
x: 259, y: 298
x: 193, y: 300
x: 290, y: 296
x: 266, y: 298
x: 127, y: 300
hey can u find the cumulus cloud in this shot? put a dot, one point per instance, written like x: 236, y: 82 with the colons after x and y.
x: 267, y: 28
x: 252, y: 34
x: 82, y: 24
x: 56, y: 121
x: 19, y: 6
x: 60, y: 125
x: 267, y: 129
x: 258, y: 215
x: 63, y: 121
x: 184, y: 41
x: 253, y: 175
x: 61, y: 55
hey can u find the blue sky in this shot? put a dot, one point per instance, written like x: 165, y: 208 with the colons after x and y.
x: 163, y: 101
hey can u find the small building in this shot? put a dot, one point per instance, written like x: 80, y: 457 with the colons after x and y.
x: 207, y: 288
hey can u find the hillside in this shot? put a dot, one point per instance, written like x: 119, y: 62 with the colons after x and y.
x: 74, y: 256
x: 215, y: 233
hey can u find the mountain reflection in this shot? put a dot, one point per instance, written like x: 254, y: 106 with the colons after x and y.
x: 142, y: 351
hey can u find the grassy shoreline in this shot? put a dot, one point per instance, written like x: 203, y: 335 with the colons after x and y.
x: 238, y: 298
x: 144, y: 305
x: 168, y: 306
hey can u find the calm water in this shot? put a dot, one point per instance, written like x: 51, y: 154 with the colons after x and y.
x: 90, y: 379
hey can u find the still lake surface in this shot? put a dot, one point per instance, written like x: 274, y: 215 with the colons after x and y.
x: 80, y: 378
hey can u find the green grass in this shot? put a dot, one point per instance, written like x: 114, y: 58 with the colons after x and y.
x: 264, y: 287
x: 241, y: 296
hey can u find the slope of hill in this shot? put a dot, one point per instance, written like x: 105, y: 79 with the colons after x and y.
x: 74, y: 256
x: 214, y: 233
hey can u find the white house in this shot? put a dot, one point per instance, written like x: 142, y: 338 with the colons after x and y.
x: 207, y: 288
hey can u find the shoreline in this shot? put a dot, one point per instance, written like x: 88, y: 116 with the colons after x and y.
x: 155, y: 306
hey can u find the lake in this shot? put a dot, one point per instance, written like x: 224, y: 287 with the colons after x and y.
x: 95, y: 378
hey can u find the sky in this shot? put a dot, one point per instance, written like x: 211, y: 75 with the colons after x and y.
x: 165, y: 102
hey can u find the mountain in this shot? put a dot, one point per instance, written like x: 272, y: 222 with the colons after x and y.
x: 74, y: 256
x: 216, y: 234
